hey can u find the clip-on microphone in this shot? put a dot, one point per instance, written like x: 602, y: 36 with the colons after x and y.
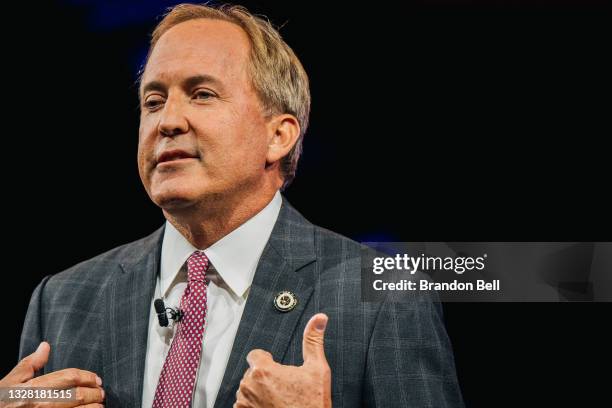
x: 164, y: 312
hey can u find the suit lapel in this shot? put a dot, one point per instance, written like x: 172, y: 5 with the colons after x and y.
x: 283, y: 266
x: 129, y: 302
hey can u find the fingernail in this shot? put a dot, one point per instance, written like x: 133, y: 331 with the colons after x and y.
x: 321, y: 323
x: 98, y: 380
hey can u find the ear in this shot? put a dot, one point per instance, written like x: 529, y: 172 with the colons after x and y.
x: 284, y: 131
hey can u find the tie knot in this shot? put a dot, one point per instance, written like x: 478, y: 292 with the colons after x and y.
x: 197, y: 264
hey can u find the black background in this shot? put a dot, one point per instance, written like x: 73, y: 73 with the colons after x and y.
x: 438, y: 121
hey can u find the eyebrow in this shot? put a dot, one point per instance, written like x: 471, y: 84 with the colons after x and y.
x: 187, y: 83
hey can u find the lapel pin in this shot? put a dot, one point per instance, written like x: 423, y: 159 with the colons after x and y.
x: 285, y: 301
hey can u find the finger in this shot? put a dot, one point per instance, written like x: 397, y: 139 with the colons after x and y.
x: 258, y: 358
x: 240, y: 401
x: 241, y: 404
x: 312, y: 343
x: 86, y: 395
x: 238, y: 395
x: 96, y: 405
x: 242, y: 398
x: 81, y: 397
x: 67, y: 378
x: 28, y: 366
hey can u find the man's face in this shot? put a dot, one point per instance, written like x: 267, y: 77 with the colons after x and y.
x: 203, y: 130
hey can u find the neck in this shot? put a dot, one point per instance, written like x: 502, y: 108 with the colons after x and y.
x: 205, y: 223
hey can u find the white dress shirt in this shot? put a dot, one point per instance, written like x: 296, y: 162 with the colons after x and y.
x: 233, y: 260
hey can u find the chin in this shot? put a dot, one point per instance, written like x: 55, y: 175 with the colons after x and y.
x: 173, y: 203
x: 182, y: 196
x: 173, y: 199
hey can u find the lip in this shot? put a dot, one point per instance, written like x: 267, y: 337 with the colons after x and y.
x: 175, y: 156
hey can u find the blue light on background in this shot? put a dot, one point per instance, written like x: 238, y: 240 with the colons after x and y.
x: 113, y: 15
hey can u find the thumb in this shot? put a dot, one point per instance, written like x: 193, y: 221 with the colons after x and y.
x: 27, y: 367
x: 39, y: 358
x: 312, y: 343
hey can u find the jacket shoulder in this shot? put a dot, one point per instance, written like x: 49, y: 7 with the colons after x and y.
x: 96, y: 269
x: 339, y: 258
x: 331, y: 243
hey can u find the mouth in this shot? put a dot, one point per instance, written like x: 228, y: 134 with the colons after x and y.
x: 174, y: 156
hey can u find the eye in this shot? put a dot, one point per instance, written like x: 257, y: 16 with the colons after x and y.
x: 153, y: 102
x: 203, y: 94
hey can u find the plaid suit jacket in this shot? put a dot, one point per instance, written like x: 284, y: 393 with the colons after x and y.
x: 387, y: 354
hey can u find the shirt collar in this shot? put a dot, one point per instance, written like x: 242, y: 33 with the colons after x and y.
x: 235, y: 256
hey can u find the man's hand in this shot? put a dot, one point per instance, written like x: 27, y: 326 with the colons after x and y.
x: 86, y: 385
x: 272, y: 385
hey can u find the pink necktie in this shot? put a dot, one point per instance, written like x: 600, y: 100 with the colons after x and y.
x: 178, y: 376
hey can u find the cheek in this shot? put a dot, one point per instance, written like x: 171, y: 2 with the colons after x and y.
x: 142, y: 167
x: 252, y: 140
x: 145, y: 148
x: 247, y: 151
x: 140, y: 159
x: 141, y: 151
x: 146, y: 134
x: 231, y: 143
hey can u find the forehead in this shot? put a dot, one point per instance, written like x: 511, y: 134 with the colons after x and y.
x: 201, y: 46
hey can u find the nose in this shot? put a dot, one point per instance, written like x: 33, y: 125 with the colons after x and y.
x: 172, y: 121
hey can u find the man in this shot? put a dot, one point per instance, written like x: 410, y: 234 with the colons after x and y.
x: 272, y: 312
